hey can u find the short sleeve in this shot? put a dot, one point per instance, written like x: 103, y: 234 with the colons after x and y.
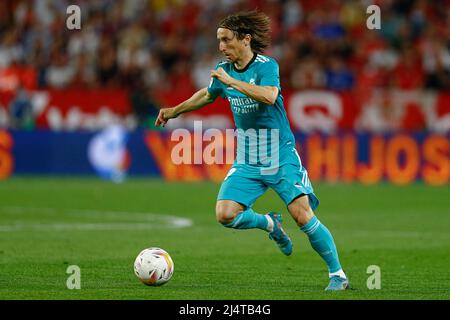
x: 269, y: 74
x: 215, y: 87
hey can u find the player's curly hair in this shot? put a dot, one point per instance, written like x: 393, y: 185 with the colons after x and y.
x: 254, y: 23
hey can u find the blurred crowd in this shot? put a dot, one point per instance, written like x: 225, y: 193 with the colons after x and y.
x: 154, y: 46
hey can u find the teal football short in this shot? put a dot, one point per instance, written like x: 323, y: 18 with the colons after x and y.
x: 245, y: 184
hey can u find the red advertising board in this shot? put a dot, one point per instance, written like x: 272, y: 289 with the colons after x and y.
x: 308, y: 111
x: 73, y: 109
x: 328, y: 111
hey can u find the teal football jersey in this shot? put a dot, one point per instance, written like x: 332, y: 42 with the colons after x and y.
x: 262, y: 130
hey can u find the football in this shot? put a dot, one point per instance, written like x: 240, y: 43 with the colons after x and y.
x: 153, y: 266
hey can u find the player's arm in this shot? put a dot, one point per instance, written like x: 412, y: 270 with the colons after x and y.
x: 198, y: 100
x: 265, y: 94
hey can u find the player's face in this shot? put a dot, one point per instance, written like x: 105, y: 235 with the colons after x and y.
x: 229, y: 44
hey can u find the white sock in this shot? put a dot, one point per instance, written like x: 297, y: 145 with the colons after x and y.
x: 269, y: 223
x: 339, y: 273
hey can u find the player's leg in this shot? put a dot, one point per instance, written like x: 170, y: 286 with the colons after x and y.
x: 321, y: 240
x: 232, y: 214
x: 233, y: 210
x: 294, y: 187
x: 238, y: 192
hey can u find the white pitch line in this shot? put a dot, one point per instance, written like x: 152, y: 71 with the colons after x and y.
x: 114, y: 220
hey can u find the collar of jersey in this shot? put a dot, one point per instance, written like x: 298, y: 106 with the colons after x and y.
x: 248, y: 64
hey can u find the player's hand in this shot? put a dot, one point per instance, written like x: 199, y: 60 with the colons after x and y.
x: 164, y: 115
x: 222, y: 76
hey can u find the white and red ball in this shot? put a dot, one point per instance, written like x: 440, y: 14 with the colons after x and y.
x: 153, y: 266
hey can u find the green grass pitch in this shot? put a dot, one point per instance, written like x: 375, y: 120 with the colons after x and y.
x: 47, y: 224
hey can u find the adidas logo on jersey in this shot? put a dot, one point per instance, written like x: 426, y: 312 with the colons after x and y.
x: 261, y: 58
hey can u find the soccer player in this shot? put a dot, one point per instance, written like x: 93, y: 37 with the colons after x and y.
x: 250, y: 81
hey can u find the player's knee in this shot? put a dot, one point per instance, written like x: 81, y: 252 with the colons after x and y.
x: 225, y: 214
x: 301, y: 211
x: 303, y: 217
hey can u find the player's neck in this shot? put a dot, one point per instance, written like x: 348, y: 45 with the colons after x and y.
x: 243, y: 61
